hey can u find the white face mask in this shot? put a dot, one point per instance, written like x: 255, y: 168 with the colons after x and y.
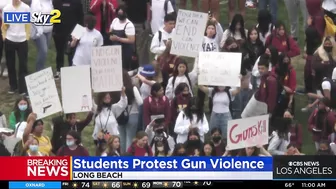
x: 160, y: 149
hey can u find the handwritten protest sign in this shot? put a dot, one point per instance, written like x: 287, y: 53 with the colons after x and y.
x: 78, y: 31
x: 189, y: 32
x: 43, y: 93
x: 243, y: 133
x: 80, y: 98
x: 219, y: 69
x: 106, y: 67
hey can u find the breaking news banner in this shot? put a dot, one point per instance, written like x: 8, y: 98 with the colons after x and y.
x: 172, y: 168
x: 304, y: 167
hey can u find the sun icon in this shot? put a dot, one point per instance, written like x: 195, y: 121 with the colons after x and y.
x: 105, y: 185
x: 165, y: 184
x: 135, y: 185
x: 195, y: 183
x: 74, y: 185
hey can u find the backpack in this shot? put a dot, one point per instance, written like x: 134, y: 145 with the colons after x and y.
x: 227, y: 90
x: 123, y: 118
x: 287, y: 41
x: 18, y: 149
x: 332, y: 92
x: 165, y: 7
x: 146, y: 148
x: 279, y: 88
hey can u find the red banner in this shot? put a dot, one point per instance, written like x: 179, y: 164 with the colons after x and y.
x: 35, y: 168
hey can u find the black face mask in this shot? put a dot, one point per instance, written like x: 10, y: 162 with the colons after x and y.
x: 121, y: 16
x: 216, y: 139
x: 106, y: 105
x: 90, y: 26
x: 185, y: 95
x: 328, y: 49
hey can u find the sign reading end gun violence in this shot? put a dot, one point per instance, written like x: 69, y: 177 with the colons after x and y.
x: 106, y: 68
x: 189, y: 33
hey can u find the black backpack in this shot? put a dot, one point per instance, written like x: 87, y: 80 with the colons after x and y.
x: 227, y: 90
x: 123, y: 118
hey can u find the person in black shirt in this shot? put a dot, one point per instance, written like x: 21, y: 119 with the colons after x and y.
x: 138, y: 12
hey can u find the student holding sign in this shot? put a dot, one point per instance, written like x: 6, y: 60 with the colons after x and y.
x: 90, y: 38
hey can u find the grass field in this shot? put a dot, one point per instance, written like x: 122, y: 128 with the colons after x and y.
x: 7, y: 101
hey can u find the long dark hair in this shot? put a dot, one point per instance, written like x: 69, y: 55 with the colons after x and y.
x: 155, y: 88
x: 190, y: 148
x: 258, y: 41
x: 127, y: 81
x: 238, y: 18
x: 264, y: 20
x: 175, y: 73
x: 213, y: 150
x: 274, y: 55
x: 282, y: 68
x: 177, y: 147
x: 180, y: 88
x: 281, y: 24
x: 256, y: 152
x: 195, y: 103
x: 17, y: 111
x: 100, y: 101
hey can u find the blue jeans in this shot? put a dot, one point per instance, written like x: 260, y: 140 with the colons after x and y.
x: 273, y: 5
x: 127, y: 132
x: 42, y: 45
x: 220, y: 120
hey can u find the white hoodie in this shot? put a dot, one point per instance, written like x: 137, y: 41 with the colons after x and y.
x: 43, y: 6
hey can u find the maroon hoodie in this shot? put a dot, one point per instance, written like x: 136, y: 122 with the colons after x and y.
x: 316, y: 12
x: 178, y: 103
x: 280, y: 43
x: 296, y: 135
x: 330, y: 120
x: 268, y: 91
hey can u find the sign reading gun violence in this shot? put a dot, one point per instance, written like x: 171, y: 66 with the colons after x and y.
x: 248, y: 132
x: 106, y: 67
x: 189, y: 33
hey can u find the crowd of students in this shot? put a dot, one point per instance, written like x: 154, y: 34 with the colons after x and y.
x: 161, y: 108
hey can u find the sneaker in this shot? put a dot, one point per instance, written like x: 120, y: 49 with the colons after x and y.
x: 12, y: 91
x: 250, y: 5
x: 57, y: 75
x: 5, y: 73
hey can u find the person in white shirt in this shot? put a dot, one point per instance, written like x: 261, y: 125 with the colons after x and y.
x: 235, y: 30
x: 161, y: 37
x: 123, y: 33
x: 41, y: 34
x: 3, y: 68
x: 327, y: 86
x: 105, y: 119
x: 222, y: 98
x: 280, y: 138
x: 265, y: 25
x: 210, y: 39
x: 157, y: 134
x: 91, y: 38
x: 159, y: 12
x: 192, y: 116
x: 16, y: 41
x: 181, y: 75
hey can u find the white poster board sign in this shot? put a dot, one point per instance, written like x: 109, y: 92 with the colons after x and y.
x: 248, y: 132
x: 189, y: 33
x: 43, y: 93
x: 219, y: 69
x: 106, y: 67
x: 76, y: 89
x: 78, y: 31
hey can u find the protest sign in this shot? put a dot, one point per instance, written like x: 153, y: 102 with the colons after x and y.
x: 189, y: 33
x: 43, y: 93
x: 76, y: 89
x: 78, y: 31
x: 219, y: 69
x: 248, y: 132
x: 106, y: 68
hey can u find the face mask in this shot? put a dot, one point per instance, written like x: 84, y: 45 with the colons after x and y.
x: 23, y: 107
x: 216, y: 138
x: 121, y: 16
x: 33, y: 148
x: 160, y: 149
x: 328, y: 49
x: 70, y: 142
x: 185, y: 95
x: 90, y: 26
x: 106, y: 104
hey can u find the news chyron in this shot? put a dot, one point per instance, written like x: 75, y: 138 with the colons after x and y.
x: 304, y: 167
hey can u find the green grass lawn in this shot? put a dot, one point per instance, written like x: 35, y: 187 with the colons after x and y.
x: 7, y: 101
